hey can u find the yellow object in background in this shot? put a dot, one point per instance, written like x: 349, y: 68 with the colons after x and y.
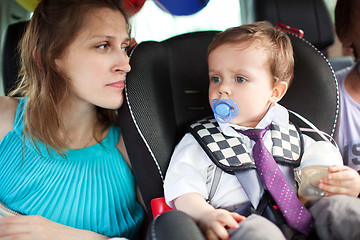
x: 29, y: 5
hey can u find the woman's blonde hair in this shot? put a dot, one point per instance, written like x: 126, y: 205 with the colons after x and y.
x: 276, y: 41
x: 52, y: 28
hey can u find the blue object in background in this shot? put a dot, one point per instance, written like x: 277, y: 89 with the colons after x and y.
x: 181, y: 7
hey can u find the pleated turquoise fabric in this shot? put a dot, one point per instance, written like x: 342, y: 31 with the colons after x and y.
x: 92, y: 188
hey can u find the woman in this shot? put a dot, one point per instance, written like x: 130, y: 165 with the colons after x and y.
x: 348, y: 132
x: 62, y: 157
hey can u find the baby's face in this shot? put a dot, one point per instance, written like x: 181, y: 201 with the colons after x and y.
x: 242, y: 74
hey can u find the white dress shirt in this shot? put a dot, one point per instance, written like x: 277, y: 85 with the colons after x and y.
x: 188, y: 168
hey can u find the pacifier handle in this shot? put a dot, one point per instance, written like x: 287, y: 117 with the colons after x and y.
x: 223, y: 109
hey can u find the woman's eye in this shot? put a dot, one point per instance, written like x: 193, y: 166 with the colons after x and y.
x: 240, y: 79
x: 103, y: 46
x: 216, y: 79
x: 125, y: 49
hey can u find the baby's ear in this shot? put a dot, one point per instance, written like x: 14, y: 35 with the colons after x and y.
x: 279, y: 90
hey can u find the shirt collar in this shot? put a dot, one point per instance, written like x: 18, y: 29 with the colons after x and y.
x: 276, y: 114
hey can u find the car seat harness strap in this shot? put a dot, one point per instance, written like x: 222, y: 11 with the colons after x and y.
x: 232, y: 156
x: 230, y: 153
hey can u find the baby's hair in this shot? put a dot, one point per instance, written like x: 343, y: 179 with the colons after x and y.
x: 274, y: 40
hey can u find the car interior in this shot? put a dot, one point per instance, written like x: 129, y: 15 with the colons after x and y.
x: 167, y: 86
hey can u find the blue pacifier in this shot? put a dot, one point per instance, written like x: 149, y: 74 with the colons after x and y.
x: 224, y: 110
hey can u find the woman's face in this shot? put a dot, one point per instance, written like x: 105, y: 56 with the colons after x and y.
x: 96, y: 61
x: 350, y: 36
x: 355, y: 32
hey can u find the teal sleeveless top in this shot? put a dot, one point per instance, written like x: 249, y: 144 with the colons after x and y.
x: 92, y: 188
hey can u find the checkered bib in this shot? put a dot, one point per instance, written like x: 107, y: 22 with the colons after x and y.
x: 230, y: 153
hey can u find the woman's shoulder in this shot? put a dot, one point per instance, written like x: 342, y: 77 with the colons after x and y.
x: 8, y: 108
x: 342, y: 73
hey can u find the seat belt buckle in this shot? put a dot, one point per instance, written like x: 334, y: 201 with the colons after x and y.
x: 159, y: 206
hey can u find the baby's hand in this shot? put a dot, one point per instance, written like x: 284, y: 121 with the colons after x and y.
x: 215, y: 222
x: 341, y: 180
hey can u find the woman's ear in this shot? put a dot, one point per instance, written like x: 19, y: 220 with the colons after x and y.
x: 279, y: 90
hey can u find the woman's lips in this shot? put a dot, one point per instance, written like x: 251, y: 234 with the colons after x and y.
x: 118, y: 84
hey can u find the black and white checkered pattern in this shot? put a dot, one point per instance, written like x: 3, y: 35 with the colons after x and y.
x: 231, y: 152
x: 286, y: 142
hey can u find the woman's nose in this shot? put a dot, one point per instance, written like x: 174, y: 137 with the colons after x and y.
x: 122, y: 63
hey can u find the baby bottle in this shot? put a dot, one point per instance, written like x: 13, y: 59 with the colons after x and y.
x: 224, y: 110
x: 315, y: 162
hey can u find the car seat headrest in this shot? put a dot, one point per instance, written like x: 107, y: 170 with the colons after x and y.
x: 312, y: 16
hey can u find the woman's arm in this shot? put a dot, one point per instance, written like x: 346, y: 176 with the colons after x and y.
x: 7, y: 109
x: 122, y: 149
x: 39, y: 228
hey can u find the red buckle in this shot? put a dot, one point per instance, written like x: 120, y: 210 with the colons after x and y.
x: 159, y: 206
x: 285, y: 28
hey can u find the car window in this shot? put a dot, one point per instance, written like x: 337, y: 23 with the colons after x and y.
x: 153, y: 23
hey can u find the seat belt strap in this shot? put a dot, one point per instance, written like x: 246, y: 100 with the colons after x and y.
x: 216, y: 176
x: 252, y: 185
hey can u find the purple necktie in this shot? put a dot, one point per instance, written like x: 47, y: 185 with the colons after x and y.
x: 296, y: 215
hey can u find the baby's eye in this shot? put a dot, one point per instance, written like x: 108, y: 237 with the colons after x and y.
x: 216, y: 79
x: 240, y: 79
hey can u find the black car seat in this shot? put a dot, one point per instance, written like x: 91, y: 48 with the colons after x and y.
x: 10, y: 56
x: 312, y: 16
x: 168, y: 87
